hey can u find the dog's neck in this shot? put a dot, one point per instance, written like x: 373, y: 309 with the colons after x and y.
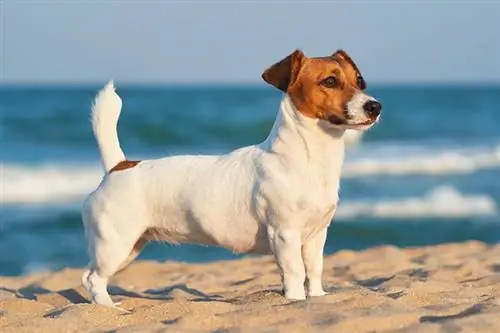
x: 295, y: 137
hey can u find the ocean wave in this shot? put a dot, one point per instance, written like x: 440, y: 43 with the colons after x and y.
x: 35, y: 267
x: 63, y: 183
x: 48, y: 184
x: 440, y: 202
x: 417, y: 160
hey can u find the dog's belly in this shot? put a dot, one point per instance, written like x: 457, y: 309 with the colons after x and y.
x: 235, y: 231
x: 244, y: 235
x: 248, y: 242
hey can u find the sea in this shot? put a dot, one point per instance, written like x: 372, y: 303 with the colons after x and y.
x: 427, y: 173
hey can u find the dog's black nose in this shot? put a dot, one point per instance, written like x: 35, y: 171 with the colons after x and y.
x: 372, y: 108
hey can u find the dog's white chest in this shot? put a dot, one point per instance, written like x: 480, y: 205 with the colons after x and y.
x: 321, y: 196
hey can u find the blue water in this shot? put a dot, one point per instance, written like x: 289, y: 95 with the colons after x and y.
x: 428, y: 173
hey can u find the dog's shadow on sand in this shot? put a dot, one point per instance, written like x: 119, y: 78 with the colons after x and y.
x: 33, y: 291
x: 79, y: 296
x: 75, y: 296
x: 165, y: 293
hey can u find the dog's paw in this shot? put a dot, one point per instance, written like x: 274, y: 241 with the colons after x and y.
x: 317, y: 293
x: 122, y: 310
x: 295, y: 296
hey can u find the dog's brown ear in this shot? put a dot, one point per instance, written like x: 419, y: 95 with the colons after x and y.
x: 341, y: 54
x: 284, y: 72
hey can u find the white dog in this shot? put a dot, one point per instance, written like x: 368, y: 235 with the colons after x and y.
x: 277, y: 197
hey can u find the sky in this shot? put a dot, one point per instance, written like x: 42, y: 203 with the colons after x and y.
x: 226, y: 42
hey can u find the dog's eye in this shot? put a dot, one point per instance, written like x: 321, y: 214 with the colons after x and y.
x: 360, y: 82
x: 329, y: 82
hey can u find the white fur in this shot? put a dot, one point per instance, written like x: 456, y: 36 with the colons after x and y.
x: 275, y: 197
x: 352, y: 137
x: 355, y: 108
x: 105, y: 113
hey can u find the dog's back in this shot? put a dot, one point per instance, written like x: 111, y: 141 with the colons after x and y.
x: 195, y: 198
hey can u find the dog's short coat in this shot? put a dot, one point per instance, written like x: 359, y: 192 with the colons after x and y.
x: 277, y: 197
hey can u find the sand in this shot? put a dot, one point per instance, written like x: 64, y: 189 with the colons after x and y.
x: 445, y: 288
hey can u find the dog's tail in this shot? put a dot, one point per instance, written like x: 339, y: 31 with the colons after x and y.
x: 105, y: 113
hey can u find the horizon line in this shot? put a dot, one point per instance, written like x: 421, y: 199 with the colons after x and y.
x: 153, y: 83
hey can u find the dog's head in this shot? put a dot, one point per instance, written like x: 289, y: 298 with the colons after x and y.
x: 330, y: 89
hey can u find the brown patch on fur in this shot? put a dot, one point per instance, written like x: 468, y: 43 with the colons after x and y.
x: 124, y: 165
x: 302, y: 78
x: 285, y: 71
x: 350, y: 67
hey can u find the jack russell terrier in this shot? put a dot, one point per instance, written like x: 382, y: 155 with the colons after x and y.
x: 276, y: 197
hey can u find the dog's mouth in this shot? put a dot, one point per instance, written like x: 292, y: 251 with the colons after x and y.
x: 336, y: 120
x: 365, y: 123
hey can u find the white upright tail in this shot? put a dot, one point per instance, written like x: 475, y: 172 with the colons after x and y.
x: 105, y: 113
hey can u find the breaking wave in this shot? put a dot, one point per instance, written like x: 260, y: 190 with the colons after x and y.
x: 60, y: 183
x: 440, y: 202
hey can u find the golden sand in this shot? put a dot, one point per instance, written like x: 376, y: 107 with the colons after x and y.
x: 445, y: 288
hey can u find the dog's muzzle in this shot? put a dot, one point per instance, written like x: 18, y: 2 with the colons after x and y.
x: 372, y: 109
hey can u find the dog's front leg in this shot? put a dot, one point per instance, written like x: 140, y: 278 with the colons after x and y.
x: 286, y: 246
x: 312, y: 252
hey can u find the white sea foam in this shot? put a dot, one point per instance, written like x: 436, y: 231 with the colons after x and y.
x: 440, y: 202
x: 416, y: 160
x: 62, y: 183
x: 36, y: 267
x: 48, y: 184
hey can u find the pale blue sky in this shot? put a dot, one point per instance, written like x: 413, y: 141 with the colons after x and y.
x: 222, y: 41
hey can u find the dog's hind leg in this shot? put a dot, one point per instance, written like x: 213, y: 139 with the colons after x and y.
x: 109, y: 251
x: 136, y: 250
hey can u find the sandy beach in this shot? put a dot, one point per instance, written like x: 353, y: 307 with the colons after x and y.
x: 444, y: 288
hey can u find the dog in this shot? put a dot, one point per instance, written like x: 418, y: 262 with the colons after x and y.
x: 277, y: 197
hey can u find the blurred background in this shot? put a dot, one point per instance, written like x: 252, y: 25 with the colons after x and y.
x: 189, y: 76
